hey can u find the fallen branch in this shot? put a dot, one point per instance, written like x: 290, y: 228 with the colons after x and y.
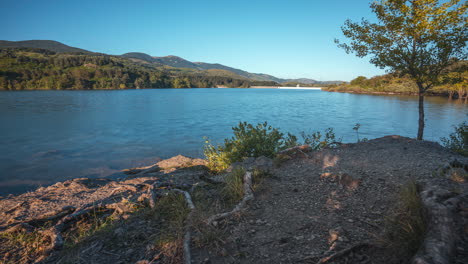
x: 58, y: 215
x: 14, y: 208
x: 21, y: 227
x: 248, y: 195
x: 297, y: 149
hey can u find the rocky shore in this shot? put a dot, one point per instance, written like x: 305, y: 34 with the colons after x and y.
x: 327, y: 206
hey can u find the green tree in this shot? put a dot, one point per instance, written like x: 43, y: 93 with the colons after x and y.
x: 358, y: 81
x: 421, y: 38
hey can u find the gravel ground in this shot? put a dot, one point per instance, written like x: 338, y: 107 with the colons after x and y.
x: 328, y: 201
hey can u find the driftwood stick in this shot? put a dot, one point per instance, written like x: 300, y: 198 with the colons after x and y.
x: 295, y: 148
x: 14, y: 208
x: 188, y: 226
x: 248, y: 195
x: 57, y: 215
x: 21, y: 227
x: 37, y: 222
x: 343, y: 252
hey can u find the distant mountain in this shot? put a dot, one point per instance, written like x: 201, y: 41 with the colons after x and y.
x: 171, y: 61
x: 178, y: 62
x: 139, y: 56
x: 303, y: 80
x: 41, y: 44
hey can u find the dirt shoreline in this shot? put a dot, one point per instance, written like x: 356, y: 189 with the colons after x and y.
x: 312, y: 206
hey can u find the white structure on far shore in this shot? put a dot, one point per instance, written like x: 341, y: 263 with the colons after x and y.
x: 301, y: 88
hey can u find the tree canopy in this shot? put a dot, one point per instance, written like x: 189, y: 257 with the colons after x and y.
x: 419, y: 38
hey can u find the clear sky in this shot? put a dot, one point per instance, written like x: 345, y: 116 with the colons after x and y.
x: 287, y: 38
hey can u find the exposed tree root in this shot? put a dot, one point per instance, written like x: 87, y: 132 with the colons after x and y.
x: 443, y: 233
x: 248, y: 195
x: 188, y: 226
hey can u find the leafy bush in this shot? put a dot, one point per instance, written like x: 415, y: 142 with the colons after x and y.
x: 260, y: 140
x: 318, y: 141
x: 458, y: 140
x: 248, y: 141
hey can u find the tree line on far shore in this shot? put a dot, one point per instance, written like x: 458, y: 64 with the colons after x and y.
x: 33, y: 69
x: 453, y: 84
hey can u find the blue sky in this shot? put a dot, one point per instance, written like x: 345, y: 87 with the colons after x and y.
x: 288, y: 39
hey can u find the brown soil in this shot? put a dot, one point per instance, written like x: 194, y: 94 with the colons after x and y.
x: 331, y: 200
x: 313, y: 205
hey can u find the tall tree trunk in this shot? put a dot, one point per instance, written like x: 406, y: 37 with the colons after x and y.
x: 421, y: 116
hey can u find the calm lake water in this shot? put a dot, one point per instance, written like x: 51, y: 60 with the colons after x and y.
x: 49, y: 136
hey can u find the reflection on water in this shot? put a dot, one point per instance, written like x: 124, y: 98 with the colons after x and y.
x: 48, y: 136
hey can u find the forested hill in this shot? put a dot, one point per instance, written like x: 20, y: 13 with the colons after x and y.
x: 178, y: 62
x: 47, y: 64
x: 452, y: 83
x: 29, y: 68
x: 41, y: 44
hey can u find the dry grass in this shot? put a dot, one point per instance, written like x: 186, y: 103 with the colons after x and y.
x: 405, y: 227
x: 208, y: 201
x: 233, y: 190
x: 32, y: 245
x: 97, y: 221
x: 171, y: 212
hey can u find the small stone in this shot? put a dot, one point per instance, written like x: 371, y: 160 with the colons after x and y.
x: 215, y: 223
x: 350, y: 220
x: 129, y: 251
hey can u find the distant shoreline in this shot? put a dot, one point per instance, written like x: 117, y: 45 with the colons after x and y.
x: 286, y: 88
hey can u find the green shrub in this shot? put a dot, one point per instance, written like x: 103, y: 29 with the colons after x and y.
x: 217, y: 158
x: 260, y: 140
x: 458, y: 140
x: 318, y: 141
x: 248, y: 141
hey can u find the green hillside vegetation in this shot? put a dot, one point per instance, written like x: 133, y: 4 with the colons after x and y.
x: 42, y: 44
x: 173, y: 64
x: 453, y: 83
x: 30, y: 68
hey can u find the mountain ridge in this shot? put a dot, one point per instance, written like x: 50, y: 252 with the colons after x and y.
x: 170, y: 60
x: 51, y: 45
